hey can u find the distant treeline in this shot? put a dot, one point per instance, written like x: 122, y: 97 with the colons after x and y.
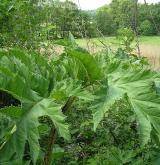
x: 120, y: 14
x: 28, y: 22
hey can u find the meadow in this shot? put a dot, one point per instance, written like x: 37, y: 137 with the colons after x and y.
x: 149, y: 47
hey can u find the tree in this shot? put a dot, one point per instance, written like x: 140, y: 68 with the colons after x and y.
x: 146, y: 28
x: 23, y: 23
x: 122, y: 12
x: 105, y: 22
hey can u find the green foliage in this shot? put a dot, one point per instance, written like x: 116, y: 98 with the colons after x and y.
x: 105, y: 21
x: 120, y: 14
x: 136, y: 85
x: 31, y: 23
x: 115, y: 118
x: 31, y: 80
x: 125, y: 37
x: 115, y: 140
x: 28, y: 78
x: 26, y: 129
x: 6, y: 126
x: 93, y: 70
x: 146, y: 28
x: 68, y: 88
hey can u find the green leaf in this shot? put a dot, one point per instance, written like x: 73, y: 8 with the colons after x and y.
x: 157, y: 86
x: 67, y: 88
x: 12, y: 112
x: 75, y: 69
x: 72, y: 41
x: 89, y: 62
x: 58, y: 152
x: 137, y: 85
x: 30, y: 73
x: 8, y: 80
x: 6, y: 125
x: 106, y: 98
x: 29, y: 78
x: 27, y: 130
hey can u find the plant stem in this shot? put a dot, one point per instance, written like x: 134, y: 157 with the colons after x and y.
x: 51, y: 141
x: 68, y: 104
x: 53, y: 134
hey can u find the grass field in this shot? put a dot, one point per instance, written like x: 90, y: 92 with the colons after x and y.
x: 152, y: 40
x: 149, y: 47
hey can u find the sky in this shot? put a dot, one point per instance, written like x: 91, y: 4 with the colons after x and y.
x: 94, y: 4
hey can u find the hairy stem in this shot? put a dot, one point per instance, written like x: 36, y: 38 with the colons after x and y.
x: 53, y: 134
x: 68, y: 104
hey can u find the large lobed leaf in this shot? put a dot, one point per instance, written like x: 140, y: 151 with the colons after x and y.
x: 106, y: 98
x: 90, y: 64
x: 27, y: 130
x: 137, y: 85
x: 29, y: 78
x: 69, y: 87
x: 30, y: 72
x: 79, y: 65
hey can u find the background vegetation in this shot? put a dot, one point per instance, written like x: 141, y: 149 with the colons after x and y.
x: 54, y: 19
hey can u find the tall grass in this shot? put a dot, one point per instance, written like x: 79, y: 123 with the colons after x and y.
x: 152, y: 52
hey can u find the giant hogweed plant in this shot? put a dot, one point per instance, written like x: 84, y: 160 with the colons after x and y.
x: 43, y: 91
x: 47, y: 89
